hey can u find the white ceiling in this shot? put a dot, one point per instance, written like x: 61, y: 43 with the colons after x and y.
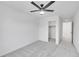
x: 65, y: 9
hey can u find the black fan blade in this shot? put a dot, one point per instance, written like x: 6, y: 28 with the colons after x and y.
x: 49, y: 10
x: 35, y: 5
x: 49, y: 4
x: 34, y: 10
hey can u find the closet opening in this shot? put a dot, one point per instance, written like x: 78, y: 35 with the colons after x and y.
x: 52, y: 32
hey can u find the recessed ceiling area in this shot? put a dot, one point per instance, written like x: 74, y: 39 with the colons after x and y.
x: 64, y: 9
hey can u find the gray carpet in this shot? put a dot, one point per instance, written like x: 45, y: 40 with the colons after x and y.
x: 44, y: 49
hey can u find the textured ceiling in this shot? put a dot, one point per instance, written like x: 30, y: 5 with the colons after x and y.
x: 65, y: 9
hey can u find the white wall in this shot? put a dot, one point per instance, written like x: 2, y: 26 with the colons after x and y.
x: 16, y: 29
x: 59, y: 30
x: 76, y: 31
x: 43, y: 30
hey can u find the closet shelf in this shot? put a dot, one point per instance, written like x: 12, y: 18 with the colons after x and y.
x: 52, y: 26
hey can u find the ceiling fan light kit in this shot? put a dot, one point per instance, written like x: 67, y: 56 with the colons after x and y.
x: 42, y: 12
x: 42, y: 8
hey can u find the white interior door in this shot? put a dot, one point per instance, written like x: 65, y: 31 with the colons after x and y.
x: 67, y: 31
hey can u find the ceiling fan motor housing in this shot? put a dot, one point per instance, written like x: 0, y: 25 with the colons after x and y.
x: 41, y: 5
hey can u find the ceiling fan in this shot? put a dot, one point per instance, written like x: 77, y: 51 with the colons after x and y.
x: 42, y: 8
